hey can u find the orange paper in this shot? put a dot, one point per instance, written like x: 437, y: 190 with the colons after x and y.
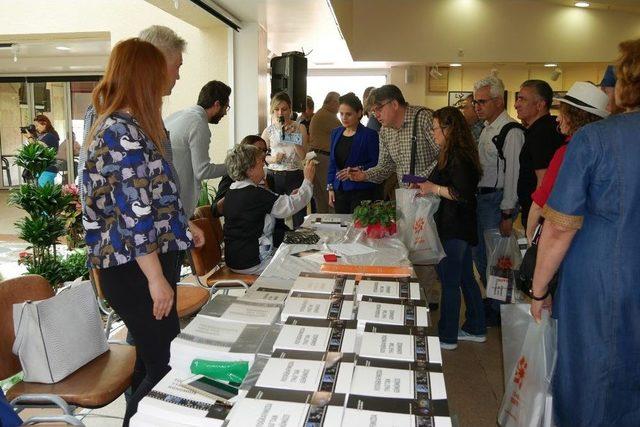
x: 369, y: 270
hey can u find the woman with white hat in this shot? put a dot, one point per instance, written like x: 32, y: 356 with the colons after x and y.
x: 583, y: 104
x: 591, y: 229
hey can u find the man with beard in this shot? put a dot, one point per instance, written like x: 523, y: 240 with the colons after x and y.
x: 190, y: 138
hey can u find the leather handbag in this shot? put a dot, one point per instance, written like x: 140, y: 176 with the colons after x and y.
x: 524, y: 276
x: 57, y: 336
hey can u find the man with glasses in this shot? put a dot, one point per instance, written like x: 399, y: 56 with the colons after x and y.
x: 190, y: 138
x: 467, y: 108
x: 397, y: 118
x: 497, y: 189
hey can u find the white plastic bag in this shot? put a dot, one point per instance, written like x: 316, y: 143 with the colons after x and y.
x: 416, y: 226
x: 526, y: 401
x: 503, y: 260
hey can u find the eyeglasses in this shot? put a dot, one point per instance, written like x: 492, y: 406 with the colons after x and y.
x: 377, y: 108
x: 481, y: 101
x: 227, y: 108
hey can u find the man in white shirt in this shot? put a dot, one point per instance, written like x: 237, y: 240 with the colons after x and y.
x: 497, y: 189
x: 190, y: 138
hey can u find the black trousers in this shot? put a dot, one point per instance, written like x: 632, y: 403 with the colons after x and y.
x: 284, y: 182
x: 347, y: 201
x: 127, y: 290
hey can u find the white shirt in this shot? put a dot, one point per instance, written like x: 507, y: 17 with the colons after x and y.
x: 493, y: 167
x: 287, y: 146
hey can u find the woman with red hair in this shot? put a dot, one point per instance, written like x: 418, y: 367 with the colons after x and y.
x: 134, y: 221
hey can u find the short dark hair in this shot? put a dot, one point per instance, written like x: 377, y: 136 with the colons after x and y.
x: 351, y: 100
x: 389, y: 93
x: 212, y: 92
x: 543, y: 90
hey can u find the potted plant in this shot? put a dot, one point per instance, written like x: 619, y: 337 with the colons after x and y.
x: 378, y: 218
x: 49, y: 216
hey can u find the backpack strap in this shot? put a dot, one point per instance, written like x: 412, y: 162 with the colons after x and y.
x: 414, y: 141
x: 499, y: 139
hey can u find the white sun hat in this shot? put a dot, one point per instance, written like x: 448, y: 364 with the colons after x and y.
x: 588, y: 97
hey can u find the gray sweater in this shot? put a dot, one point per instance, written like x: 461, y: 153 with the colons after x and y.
x: 190, y: 139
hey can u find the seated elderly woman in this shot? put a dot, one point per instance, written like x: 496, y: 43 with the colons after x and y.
x: 250, y: 210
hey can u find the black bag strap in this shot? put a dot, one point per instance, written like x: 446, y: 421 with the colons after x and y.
x: 414, y: 141
x: 499, y: 139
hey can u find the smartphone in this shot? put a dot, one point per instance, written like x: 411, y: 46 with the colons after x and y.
x: 213, y: 389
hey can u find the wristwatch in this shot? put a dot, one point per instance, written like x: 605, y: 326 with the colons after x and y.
x: 504, y: 215
x: 543, y: 297
x: 329, y: 187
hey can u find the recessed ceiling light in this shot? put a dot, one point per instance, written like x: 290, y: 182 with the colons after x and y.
x: 582, y: 4
x: 551, y: 65
x: 455, y: 64
x: 63, y: 48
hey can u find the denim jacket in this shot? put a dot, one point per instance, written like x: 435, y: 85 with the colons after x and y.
x: 131, y: 206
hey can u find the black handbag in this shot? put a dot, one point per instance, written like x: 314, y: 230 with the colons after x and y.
x: 524, y: 276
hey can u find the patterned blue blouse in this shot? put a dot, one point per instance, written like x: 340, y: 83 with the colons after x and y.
x: 131, y: 206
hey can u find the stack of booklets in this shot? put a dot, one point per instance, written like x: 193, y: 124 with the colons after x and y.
x: 243, y: 310
x: 264, y: 294
x: 401, y: 312
x: 318, y: 306
x: 213, y: 339
x: 400, y: 343
x: 387, y: 287
x: 170, y: 404
x: 288, y: 408
x: 307, y: 371
x: 317, y: 335
x: 325, y: 284
x: 396, y: 388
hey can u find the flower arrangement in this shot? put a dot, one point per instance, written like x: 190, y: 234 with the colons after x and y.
x: 378, y: 218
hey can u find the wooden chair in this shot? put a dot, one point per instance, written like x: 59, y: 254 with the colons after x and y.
x: 209, y: 257
x: 95, y: 385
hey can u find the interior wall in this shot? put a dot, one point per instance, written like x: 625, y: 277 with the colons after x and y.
x: 513, y: 75
x: 503, y: 31
x: 205, y: 59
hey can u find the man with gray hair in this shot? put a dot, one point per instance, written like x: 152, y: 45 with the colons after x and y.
x: 322, y: 123
x: 172, y: 47
x: 497, y: 189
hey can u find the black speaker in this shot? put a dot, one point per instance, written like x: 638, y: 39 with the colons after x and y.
x: 289, y: 74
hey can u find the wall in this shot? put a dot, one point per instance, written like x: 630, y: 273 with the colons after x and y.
x: 463, y: 78
x: 206, y: 57
x: 486, y: 30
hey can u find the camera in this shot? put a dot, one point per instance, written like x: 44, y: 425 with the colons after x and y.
x: 31, y: 129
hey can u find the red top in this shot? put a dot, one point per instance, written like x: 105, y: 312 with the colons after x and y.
x: 543, y: 192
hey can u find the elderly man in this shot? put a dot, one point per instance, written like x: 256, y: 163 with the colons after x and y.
x: 322, y: 123
x: 397, y: 118
x: 541, y: 140
x: 497, y: 189
x: 190, y: 140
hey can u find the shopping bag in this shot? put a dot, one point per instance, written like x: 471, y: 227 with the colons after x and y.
x: 526, y: 401
x: 503, y: 260
x: 416, y: 226
x: 58, y: 335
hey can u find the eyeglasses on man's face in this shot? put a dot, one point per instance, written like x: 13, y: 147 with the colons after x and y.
x: 481, y: 102
x: 378, y: 107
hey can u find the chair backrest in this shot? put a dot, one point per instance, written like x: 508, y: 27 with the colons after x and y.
x: 203, y: 259
x: 205, y: 212
x: 15, y: 291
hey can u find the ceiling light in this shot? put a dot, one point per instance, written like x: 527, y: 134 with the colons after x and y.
x: 551, y: 65
x: 455, y: 64
x: 65, y: 48
x: 582, y: 4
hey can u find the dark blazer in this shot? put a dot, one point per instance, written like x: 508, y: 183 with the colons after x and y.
x: 364, y: 153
